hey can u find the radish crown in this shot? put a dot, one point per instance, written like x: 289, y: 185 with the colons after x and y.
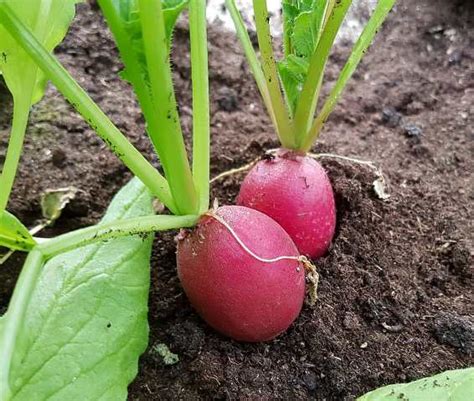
x: 290, y: 87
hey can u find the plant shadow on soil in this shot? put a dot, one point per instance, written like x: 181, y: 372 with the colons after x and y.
x: 396, y: 286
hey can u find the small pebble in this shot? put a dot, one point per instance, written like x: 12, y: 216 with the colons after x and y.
x: 436, y: 29
x: 412, y: 130
x: 351, y: 321
x: 227, y: 99
x: 455, y: 57
x: 364, y: 345
x: 391, y: 117
x: 310, y: 381
x: 58, y: 157
x: 456, y: 331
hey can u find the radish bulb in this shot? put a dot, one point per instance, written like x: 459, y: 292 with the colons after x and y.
x: 295, y: 191
x: 241, y: 272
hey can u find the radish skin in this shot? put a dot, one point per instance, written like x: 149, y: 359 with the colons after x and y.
x: 234, y: 292
x: 294, y: 190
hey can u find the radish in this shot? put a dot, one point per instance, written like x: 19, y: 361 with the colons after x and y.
x: 292, y: 188
x: 305, y: 208
x: 240, y: 271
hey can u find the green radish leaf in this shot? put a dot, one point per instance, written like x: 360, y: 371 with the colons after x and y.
x: 291, y: 83
x: 453, y: 385
x: 171, y: 11
x: 293, y: 71
x: 306, y: 32
x: 290, y: 12
x: 49, y: 20
x: 298, y: 65
x: 86, y: 320
x: 13, y: 234
x: 129, y: 19
x: 303, y: 25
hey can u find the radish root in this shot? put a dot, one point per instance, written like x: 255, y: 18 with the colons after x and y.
x: 379, y: 185
x: 234, y: 171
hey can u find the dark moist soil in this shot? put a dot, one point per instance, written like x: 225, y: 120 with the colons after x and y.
x: 396, y: 286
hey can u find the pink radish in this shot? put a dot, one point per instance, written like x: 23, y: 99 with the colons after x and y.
x: 295, y: 191
x: 227, y: 282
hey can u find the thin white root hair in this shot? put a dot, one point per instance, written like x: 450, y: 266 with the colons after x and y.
x: 242, y: 169
x: 245, y: 247
x: 379, y: 185
x: 368, y: 163
x: 312, y: 275
x: 234, y: 171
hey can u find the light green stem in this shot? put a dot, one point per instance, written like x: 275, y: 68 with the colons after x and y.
x: 170, y: 143
x: 133, y: 69
x: 200, y: 82
x: 14, y: 317
x: 54, y: 71
x: 327, y: 13
x: 282, y: 117
x: 21, y: 110
x: 310, y: 93
x: 252, y: 58
x: 287, y: 40
x: 116, y: 229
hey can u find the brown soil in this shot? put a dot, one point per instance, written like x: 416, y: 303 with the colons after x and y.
x: 396, y: 286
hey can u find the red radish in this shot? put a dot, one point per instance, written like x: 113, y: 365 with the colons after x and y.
x: 234, y: 292
x: 295, y: 191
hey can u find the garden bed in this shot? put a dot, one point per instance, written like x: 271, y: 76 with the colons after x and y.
x: 396, y: 286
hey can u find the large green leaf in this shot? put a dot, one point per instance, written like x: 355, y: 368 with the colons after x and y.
x: 49, y: 20
x: 13, y: 234
x: 453, y: 385
x: 86, y: 321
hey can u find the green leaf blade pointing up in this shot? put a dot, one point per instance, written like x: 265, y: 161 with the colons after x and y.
x: 49, y: 20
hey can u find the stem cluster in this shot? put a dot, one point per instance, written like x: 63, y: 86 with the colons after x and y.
x: 298, y: 129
